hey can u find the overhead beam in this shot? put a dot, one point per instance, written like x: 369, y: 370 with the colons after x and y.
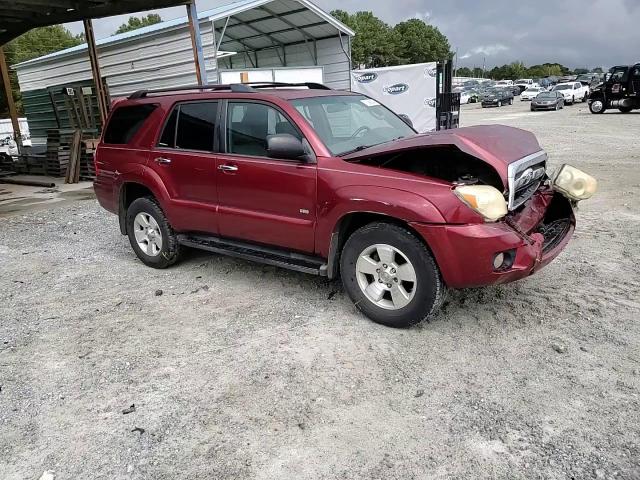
x: 42, y: 13
x: 274, y: 41
x: 272, y: 17
x: 13, y: 112
x: 223, y: 34
x: 306, y: 36
x: 287, y: 30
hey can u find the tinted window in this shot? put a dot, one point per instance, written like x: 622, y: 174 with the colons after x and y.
x: 125, y: 123
x: 168, y: 138
x: 249, y: 125
x: 196, y: 126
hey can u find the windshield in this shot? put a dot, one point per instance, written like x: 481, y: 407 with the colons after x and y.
x: 546, y: 95
x: 617, y: 74
x: 563, y: 87
x: 351, y: 122
x: 533, y: 89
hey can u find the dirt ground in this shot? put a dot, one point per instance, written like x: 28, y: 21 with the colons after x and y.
x: 243, y: 371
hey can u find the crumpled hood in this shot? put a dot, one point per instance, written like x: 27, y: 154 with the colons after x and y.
x: 497, y: 145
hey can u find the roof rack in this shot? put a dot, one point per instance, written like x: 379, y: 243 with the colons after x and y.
x: 250, y: 87
x: 309, y: 85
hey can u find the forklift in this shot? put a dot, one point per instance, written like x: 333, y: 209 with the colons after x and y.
x: 621, y: 90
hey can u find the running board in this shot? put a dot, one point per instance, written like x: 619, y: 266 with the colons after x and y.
x: 257, y: 253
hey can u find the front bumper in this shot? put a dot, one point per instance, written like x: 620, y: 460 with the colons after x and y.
x: 543, y: 107
x: 465, y: 253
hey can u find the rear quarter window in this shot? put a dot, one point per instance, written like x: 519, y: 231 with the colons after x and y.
x: 125, y: 123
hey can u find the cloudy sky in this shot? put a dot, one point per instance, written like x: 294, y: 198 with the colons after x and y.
x: 577, y: 33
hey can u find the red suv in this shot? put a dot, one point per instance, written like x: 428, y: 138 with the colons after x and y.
x: 333, y: 183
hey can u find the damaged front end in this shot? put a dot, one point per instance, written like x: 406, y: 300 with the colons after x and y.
x: 523, y: 217
x: 516, y: 246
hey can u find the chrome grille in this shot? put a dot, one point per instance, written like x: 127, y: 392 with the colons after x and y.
x: 525, y: 176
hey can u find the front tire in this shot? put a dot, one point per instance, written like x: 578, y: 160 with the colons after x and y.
x: 597, y: 106
x: 625, y: 109
x: 390, y: 275
x: 150, y: 234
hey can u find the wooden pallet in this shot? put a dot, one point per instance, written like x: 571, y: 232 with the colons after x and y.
x: 59, y: 148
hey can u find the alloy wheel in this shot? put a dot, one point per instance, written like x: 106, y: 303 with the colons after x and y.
x: 386, y: 276
x: 148, y: 234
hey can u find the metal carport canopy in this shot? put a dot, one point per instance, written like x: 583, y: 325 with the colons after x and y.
x: 20, y: 16
x: 253, y: 25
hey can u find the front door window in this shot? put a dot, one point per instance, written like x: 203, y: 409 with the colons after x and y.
x: 250, y: 124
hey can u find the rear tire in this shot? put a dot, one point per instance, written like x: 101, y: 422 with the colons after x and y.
x: 391, y: 276
x: 150, y: 234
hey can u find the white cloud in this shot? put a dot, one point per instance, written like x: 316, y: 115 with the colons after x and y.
x: 486, y: 50
x: 424, y: 16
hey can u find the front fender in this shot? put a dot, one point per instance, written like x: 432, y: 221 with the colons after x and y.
x: 391, y: 202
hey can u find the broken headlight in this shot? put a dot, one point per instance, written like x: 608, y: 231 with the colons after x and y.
x: 574, y: 183
x: 484, y: 199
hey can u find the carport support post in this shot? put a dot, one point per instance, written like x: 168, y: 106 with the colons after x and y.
x: 196, y: 43
x: 13, y: 113
x: 95, y: 70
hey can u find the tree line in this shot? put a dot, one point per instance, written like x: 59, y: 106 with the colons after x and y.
x: 378, y: 44
x: 516, y: 70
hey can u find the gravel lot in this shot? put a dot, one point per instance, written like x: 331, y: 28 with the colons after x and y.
x: 242, y: 371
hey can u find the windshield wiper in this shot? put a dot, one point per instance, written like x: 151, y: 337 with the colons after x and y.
x: 359, y: 148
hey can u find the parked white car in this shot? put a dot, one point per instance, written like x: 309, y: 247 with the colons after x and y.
x: 464, y: 98
x: 525, y: 83
x: 504, y: 83
x: 572, y: 92
x: 531, y: 93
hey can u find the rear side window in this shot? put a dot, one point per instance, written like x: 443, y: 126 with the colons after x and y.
x: 125, y: 123
x: 191, y: 126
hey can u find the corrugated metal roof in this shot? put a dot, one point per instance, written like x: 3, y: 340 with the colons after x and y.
x: 299, y: 20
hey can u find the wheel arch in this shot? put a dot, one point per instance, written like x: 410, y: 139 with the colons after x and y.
x: 129, y: 192
x: 352, y: 221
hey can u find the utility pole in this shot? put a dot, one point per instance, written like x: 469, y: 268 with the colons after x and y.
x: 455, y: 68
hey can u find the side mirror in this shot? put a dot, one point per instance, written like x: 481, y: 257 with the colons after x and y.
x: 285, y: 146
x: 405, y: 118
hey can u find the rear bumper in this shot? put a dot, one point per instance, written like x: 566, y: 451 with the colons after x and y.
x: 104, y: 187
x: 465, y: 253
